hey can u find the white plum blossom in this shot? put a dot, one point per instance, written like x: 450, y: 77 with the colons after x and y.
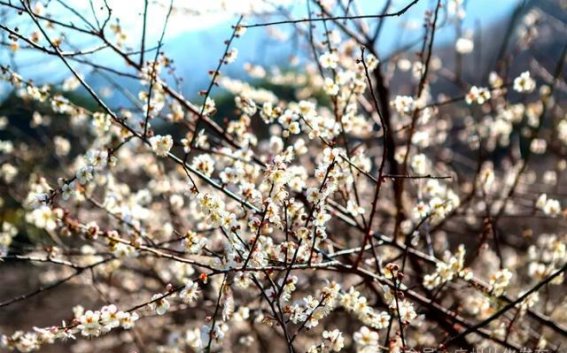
x: 330, y: 87
x: 366, y: 340
x: 499, y: 281
x: 190, y: 292
x: 549, y: 206
x: 89, y: 323
x: 336, y: 340
x: 329, y: 60
x: 477, y: 95
x: 161, y: 145
x: 160, y: 304
x: 85, y: 175
x: 7, y: 233
x: 524, y: 83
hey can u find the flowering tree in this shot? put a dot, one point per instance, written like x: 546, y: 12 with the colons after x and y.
x: 397, y: 203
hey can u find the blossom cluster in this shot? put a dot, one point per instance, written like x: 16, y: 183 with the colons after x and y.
x: 86, y: 323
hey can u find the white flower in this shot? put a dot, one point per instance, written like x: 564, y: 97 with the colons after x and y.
x: 7, y: 232
x: 3, y: 122
x: 419, y: 164
x: 407, y: 312
x: 8, y: 172
x: 190, y: 293
x: 161, y: 144
x: 562, y: 131
x: 209, y: 107
x: 366, y: 340
x: 371, y: 62
x: 541, y: 201
x: 500, y: 281
x: 176, y: 201
x: 67, y: 190
x: 403, y: 104
x: 6, y: 147
x: 43, y: 217
x: 335, y: 338
x: 204, y: 163
x: 89, y: 323
x: 330, y: 87
x: 71, y: 83
x: 121, y: 250
x: 294, y: 128
x: 85, y: 175
x: 477, y: 95
x: 193, y: 339
x: 313, y: 195
x: 194, y: 242
x: 329, y: 60
x: 420, y: 210
x: 97, y: 159
x: 464, y: 45
x: 62, y: 146
x: 102, y: 122
x: 524, y: 83
x: 552, y: 208
x: 109, y: 317
x: 381, y: 320
x: 127, y: 320
x: 247, y: 105
x: 159, y: 304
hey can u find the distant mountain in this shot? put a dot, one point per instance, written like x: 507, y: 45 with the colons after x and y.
x: 197, y: 52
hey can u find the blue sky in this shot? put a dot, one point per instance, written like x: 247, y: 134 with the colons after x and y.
x: 196, y: 42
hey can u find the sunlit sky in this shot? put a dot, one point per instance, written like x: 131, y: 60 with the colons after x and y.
x: 216, y: 12
x: 189, y: 15
x: 197, y: 29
